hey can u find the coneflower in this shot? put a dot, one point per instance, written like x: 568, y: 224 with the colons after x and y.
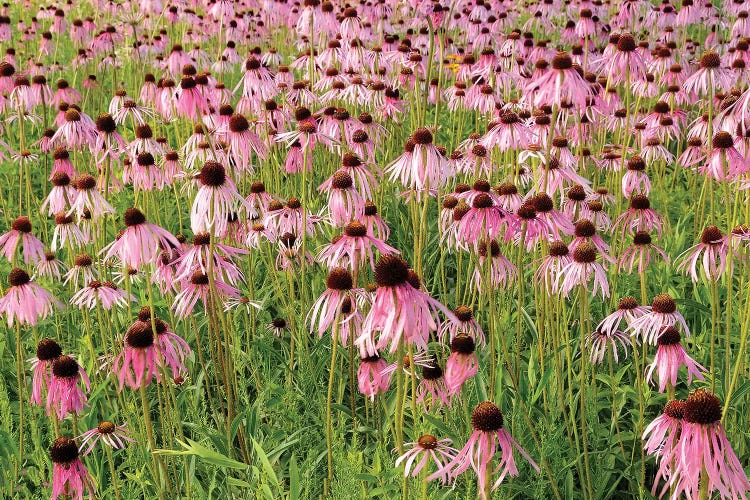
x: 20, y: 233
x: 69, y: 476
x: 64, y: 395
x: 26, y: 302
x: 479, y: 451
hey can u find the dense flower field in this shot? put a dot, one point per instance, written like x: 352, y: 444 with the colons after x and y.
x: 414, y: 249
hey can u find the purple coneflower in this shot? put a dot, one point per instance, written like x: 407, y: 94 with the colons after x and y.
x: 64, y: 395
x: 662, y: 313
x: 705, y: 453
x: 138, y: 362
x: 26, y: 301
x: 481, y: 448
x: 670, y: 356
x: 140, y: 242
x: 427, y: 448
x: 662, y: 436
x: 105, y: 294
x: 70, y: 478
x: 20, y: 232
x: 462, y: 363
x: 432, y: 391
x: 601, y: 339
x: 114, y: 436
x: 400, y: 312
x: 709, y: 256
x: 217, y: 197
x: 47, y: 350
x: 640, y: 252
x: 371, y: 380
x: 581, y: 270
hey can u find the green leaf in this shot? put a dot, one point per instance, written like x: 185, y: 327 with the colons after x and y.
x: 295, y: 489
x: 206, y: 454
x: 264, y: 462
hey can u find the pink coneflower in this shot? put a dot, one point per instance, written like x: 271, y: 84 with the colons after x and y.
x: 189, y: 102
x: 202, y: 253
x: 20, y: 232
x: 484, y: 220
x: 259, y: 233
x: 259, y: 199
x: 529, y: 222
x: 25, y: 301
x: 710, y: 76
x: 710, y: 255
x: 60, y: 196
x: 131, y: 111
x: 114, y: 436
x: 375, y: 224
x: 552, y: 264
x: 627, y: 310
x: 670, y: 356
x: 148, y: 90
x: 51, y: 267
x: 724, y: 162
x: 662, y: 314
x: 217, y: 197
x: 422, y: 166
x: 105, y: 294
x: 257, y: 82
x: 290, y: 254
x: 585, y: 232
x: 70, y: 478
x: 432, y: 391
x: 197, y: 287
x: 371, y: 380
x: 635, y: 179
x: 141, y: 241
x: 508, y: 196
x: 400, y: 312
x: 109, y: 143
x: 89, y: 200
x: 67, y: 233
x: 462, y: 363
x: 581, y: 270
x: 640, y: 253
x: 639, y: 217
x: 354, y: 248
x: 626, y: 60
x: 705, y: 453
x: 344, y: 201
x: 290, y: 218
x: 82, y: 270
x: 489, y: 433
x: 138, y: 362
x: 562, y: 83
x: 465, y: 324
x: 63, y: 393
x: 243, y: 143
x: 427, y: 449
x: 173, y: 350
x: 600, y: 340
x: 662, y: 437
x: 553, y: 176
x: 278, y: 326
x: 143, y: 173
x: 22, y: 96
x: 327, y: 309
x: 76, y: 133
x: 502, y: 271
x: 47, y: 350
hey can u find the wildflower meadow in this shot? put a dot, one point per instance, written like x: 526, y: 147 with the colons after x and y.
x: 393, y: 249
